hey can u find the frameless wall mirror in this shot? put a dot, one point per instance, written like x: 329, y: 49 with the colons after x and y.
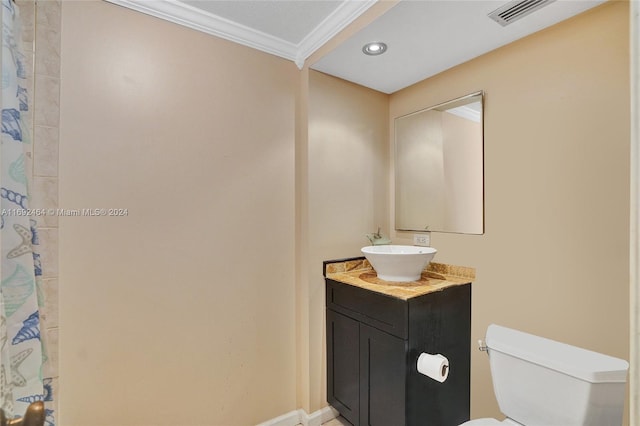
x: 439, y: 184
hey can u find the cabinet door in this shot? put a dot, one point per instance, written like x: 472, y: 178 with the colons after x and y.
x: 343, y: 374
x: 382, y: 378
x: 440, y: 323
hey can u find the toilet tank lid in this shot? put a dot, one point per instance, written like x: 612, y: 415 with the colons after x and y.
x: 581, y: 363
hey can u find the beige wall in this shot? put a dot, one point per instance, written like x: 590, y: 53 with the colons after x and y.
x: 554, y: 259
x: 348, y: 177
x: 182, y: 311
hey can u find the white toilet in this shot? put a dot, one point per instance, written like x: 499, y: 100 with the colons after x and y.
x: 541, y: 382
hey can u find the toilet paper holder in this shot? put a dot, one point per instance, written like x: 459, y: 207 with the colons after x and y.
x: 444, y: 370
x: 434, y: 366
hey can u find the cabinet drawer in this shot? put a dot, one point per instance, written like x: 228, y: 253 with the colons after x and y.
x: 383, y: 312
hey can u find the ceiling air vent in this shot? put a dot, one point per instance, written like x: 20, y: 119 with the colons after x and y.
x: 515, y: 10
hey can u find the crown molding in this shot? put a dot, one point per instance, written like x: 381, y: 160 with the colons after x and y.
x: 342, y: 16
x: 466, y: 112
x: 200, y: 20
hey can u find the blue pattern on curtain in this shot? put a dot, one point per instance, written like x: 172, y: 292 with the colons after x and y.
x: 22, y: 354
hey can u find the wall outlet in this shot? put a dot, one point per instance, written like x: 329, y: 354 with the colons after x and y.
x: 423, y: 240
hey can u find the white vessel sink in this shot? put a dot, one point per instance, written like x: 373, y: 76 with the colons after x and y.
x: 399, y: 263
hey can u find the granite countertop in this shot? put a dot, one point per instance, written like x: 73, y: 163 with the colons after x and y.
x: 437, y: 276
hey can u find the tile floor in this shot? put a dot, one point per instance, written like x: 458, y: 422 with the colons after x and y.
x: 337, y: 422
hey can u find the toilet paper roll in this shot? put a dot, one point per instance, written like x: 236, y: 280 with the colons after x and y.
x: 434, y: 366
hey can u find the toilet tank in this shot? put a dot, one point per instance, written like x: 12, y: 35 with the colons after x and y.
x: 541, y: 382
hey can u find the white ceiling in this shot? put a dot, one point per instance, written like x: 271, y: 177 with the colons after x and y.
x: 289, y: 20
x: 428, y: 37
x: 425, y: 37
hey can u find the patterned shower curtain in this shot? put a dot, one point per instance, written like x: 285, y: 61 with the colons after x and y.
x: 21, y: 350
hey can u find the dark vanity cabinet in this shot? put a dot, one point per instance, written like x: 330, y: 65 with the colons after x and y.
x: 373, y: 343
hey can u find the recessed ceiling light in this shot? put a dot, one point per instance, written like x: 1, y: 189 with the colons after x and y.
x: 374, y: 48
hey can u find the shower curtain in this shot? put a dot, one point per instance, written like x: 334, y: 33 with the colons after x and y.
x: 21, y: 350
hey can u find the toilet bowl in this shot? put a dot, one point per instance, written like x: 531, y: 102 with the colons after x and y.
x: 541, y: 382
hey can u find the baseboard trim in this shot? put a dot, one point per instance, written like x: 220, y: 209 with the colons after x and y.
x: 300, y: 417
x: 292, y: 418
x: 318, y: 417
